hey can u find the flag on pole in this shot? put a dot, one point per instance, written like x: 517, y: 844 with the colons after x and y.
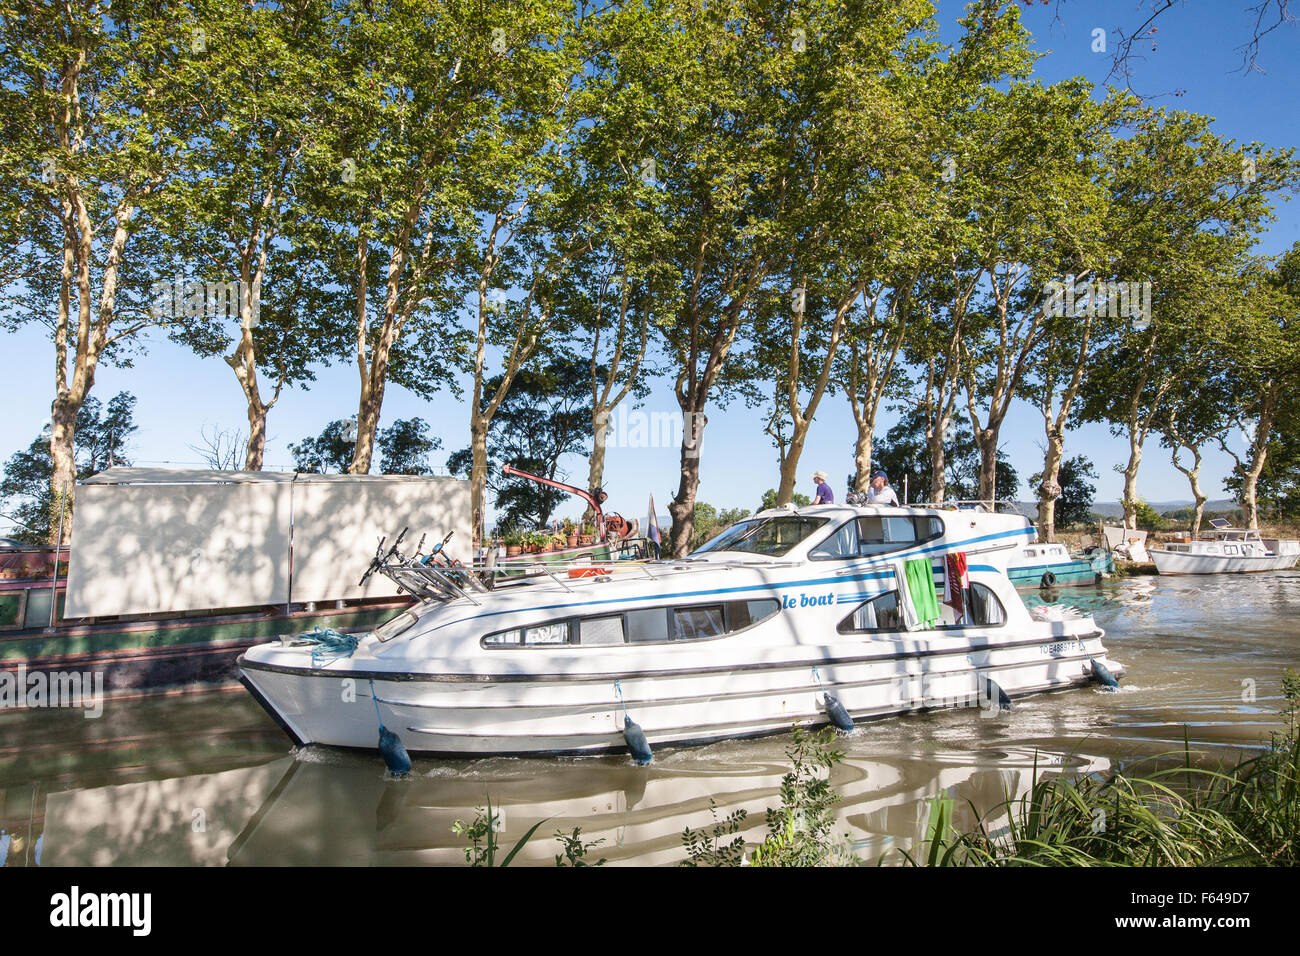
x: 652, y: 527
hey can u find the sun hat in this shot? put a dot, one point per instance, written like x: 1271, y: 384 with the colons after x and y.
x: 819, y: 476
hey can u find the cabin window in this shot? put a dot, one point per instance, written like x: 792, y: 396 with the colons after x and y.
x: 878, y: 614
x: 770, y: 536
x: 12, y: 604
x: 645, y: 626
x: 1229, y: 549
x: 842, y: 544
x: 556, y: 632
x: 597, y: 631
x: 981, y: 608
x: 695, y: 623
x: 878, y: 534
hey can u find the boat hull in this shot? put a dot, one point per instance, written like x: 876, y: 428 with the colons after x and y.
x: 1174, y: 562
x: 566, y: 712
x: 1082, y: 571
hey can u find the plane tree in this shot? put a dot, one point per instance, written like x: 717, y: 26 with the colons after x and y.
x: 955, y: 134
x: 91, y: 100
x: 1185, y: 206
x: 445, y: 124
x: 859, y: 184
x: 225, y: 214
x: 1038, y: 207
x: 1258, y: 338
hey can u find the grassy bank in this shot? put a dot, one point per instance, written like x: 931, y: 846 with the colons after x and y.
x: 1179, y: 815
x: 1182, y: 815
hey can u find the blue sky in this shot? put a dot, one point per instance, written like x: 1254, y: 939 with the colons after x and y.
x: 1197, y: 52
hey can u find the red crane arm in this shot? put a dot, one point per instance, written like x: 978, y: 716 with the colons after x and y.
x: 584, y: 495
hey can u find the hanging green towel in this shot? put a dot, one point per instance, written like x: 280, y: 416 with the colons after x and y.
x: 920, y: 586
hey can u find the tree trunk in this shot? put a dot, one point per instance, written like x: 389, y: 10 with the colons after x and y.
x: 478, y: 431
x: 372, y: 402
x: 1259, y: 454
x: 938, y: 482
x: 1130, y: 501
x: 256, y: 436
x: 1194, y: 478
x: 63, y: 429
x: 790, y: 466
x: 596, y: 464
x: 879, y: 366
x: 682, y: 507
x: 988, y: 443
x: 862, y: 459
x: 1049, y: 488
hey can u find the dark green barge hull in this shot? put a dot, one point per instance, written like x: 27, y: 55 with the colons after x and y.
x: 143, y: 655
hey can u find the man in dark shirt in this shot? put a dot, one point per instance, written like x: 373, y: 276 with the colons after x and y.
x: 824, y: 494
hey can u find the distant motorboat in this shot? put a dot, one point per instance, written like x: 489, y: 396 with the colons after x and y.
x: 1039, y: 564
x: 1226, y: 550
x: 1049, y: 565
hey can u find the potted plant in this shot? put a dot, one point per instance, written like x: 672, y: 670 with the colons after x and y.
x: 570, y: 533
x: 514, y: 542
x: 588, y: 535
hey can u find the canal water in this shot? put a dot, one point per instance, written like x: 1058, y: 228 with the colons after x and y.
x: 208, y: 779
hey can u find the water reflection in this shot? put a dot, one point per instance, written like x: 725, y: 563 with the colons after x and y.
x: 325, y: 807
x: 209, y: 780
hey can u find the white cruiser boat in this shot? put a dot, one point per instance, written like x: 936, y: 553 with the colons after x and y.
x: 1226, y: 550
x: 778, y: 621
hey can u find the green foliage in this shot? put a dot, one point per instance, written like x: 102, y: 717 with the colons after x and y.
x: 101, y: 440
x: 573, y: 851
x: 545, y: 416
x: 1147, y: 518
x: 404, y: 448
x: 483, y: 848
x: 769, y: 500
x: 710, y: 522
x: 706, y: 848
x: 1179, y: 816
x: 904, y: 451
x: 799, y: 830
x: 1278, y: 488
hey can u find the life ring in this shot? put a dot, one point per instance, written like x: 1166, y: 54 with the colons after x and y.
x: 1048, y: 580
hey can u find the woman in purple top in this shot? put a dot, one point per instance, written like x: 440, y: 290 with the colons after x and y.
x: 824, y: 494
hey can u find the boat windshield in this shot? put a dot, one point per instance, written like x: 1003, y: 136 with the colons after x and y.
x: 770, y: 536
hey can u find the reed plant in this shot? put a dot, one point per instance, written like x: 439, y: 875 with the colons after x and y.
x: 1183, y: 815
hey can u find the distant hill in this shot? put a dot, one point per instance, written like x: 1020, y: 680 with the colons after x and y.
x: 1113, y: 509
